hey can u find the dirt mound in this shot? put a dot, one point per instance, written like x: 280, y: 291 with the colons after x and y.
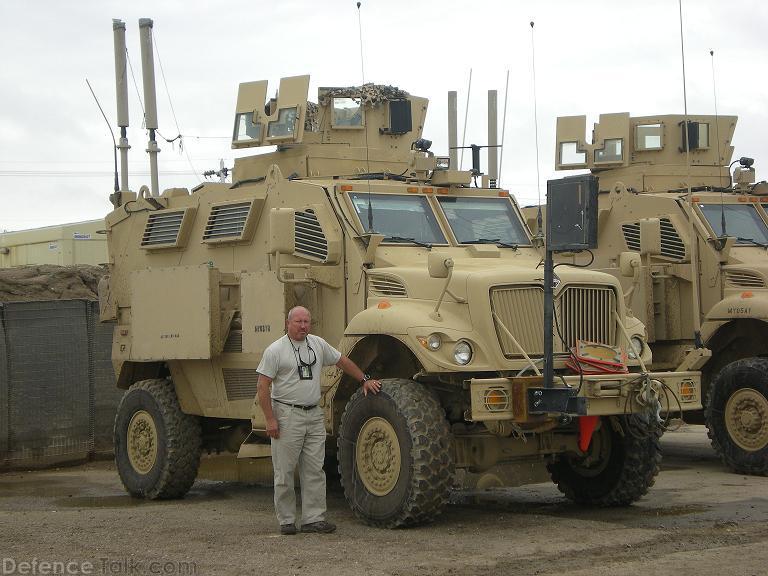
x: 49, y: 282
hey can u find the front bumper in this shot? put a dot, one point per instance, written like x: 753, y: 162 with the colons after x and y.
x: 525, y: 399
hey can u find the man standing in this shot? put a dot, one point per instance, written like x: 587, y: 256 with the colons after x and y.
x: 289, y: 393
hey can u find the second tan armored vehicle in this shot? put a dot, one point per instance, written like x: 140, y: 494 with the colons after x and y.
x: 646, y: 239
x: 427, y: 283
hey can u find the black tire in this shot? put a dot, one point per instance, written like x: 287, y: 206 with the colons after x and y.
x: 405, y: 419
x: 619, y: 467
x: 737, y: 416
x: 159, y: 456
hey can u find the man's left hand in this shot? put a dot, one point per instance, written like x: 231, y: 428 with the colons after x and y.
x: 372, y: 386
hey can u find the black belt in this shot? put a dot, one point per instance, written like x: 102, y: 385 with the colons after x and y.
x: 302, y: 406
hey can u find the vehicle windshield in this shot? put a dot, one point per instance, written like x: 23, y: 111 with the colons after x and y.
x: 484, y: 220
x: 741, y: 221
x: 399, y: 218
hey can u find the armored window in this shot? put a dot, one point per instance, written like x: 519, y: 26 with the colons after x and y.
x: 400, y: 120
x: 347, y: 113
x: 400, y: 218
x: 570, y: 155
x: 741, y: 222
x: 612, y: 151
x: 697, y: 134
x: 649, y: 137
x: 285, y: 125
x: 245, y: 129
x: 484, y: 220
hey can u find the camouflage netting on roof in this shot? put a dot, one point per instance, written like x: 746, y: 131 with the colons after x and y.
x: 372, y: 94
x: 311, y: 121
x: 49, y: 282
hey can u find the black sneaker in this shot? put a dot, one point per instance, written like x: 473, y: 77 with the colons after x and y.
x: 321, y: 527
x: 288, y: 529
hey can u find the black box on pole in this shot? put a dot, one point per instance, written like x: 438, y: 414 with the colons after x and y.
x: 572, y: 213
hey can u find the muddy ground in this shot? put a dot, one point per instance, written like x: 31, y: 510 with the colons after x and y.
x: 697, y: 520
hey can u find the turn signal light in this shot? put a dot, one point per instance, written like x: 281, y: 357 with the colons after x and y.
x: 496, y: 400
x: 687, y: 391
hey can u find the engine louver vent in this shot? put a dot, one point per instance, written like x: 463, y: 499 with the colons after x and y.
x: 386, y: 286
x: 744, y: 279
x: 310, y: 239
x: 240, y: 383
x: 234, y: 341
x: 227, y: 222
x: 672, y: 246
x: 162, y: 229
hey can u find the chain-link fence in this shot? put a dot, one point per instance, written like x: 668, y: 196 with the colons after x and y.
x: 57, y: 388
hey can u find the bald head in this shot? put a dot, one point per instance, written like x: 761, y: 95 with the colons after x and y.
x: 298, y: 322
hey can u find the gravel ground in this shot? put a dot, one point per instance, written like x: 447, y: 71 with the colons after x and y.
x: 697, y: 520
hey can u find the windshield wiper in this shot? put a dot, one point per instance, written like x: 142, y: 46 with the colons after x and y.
x: 410, y: 240
x: 752, y: 241
x: 496, y: 241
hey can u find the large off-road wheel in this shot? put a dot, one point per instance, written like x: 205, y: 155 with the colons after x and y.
x: 395, y: 456
x: 157, y: 446
x: 737, y: 416
x: 617, y: 469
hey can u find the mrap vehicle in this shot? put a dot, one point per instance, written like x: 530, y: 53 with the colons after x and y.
x: 687, y: 264
x: 428, y: 283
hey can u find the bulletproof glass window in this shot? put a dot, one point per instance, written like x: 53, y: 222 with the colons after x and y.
x: 570, y: 155
x: 285, y: 125
x: 481, y: 220
x: 245, y: 129
x: 741, y: 221
x: 398, y: 217
x: 612, y: 150
x: 347, y: 113
x: 697, y: 134
x: 649, y: 137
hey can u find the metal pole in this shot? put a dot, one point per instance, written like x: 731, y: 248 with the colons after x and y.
x: 121, y: 90
x: 453, y: 130
x: 150, y: 99
x: 493, y: 138
x: 549, y: 308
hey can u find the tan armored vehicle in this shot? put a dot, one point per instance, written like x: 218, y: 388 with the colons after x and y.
x: 646, y: 239
x: 427, y: 283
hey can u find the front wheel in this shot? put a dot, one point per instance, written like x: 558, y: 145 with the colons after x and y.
x: 395, y: 457
x: 157, y: 446
x: 737, y: 416
x: 619, y: 466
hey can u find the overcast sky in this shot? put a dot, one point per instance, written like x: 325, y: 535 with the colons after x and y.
x: 592, y: 57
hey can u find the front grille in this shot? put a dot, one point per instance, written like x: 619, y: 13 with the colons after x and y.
x: 582, y: 313
x: 240, y: 383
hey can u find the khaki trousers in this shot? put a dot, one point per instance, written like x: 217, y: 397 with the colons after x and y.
x: 302, y: 443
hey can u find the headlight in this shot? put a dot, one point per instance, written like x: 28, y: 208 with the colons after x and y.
x: 462, y: 353
x: 637, y: 346
x: 434, y: 342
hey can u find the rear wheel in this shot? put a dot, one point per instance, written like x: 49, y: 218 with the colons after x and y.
x: 737, y: 416
x: 617, y: 469
x: 157, y: 446
x: 395, y: 458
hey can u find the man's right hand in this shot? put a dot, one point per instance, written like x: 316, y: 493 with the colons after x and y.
x: 273, y: 429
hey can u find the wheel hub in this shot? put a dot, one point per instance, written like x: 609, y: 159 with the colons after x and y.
x: 378, y: 456
x: 141, y: 441
x: 746, y: 419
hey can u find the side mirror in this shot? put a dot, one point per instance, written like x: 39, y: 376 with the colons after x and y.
x: 439, y: 264
x: 628, y: 263
x: 282, y: 231
x: 650, y: 236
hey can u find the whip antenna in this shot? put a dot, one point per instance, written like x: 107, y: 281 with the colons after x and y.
x: 717, y: 137
x: 539, y: 219
x: 503, y: 128
x: 466, y: 114
x: 365, y: 127
x: 691, y: 229
x: 114, y: 142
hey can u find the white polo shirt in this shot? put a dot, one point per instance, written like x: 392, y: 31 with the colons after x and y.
x: 280, y: 362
